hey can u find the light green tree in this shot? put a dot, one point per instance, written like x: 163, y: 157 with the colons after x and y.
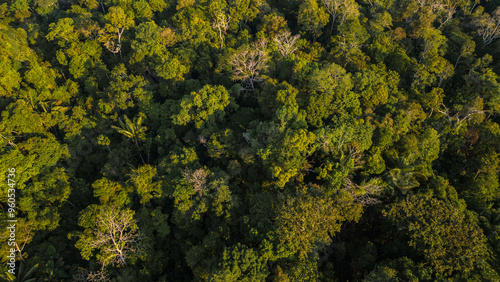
x: 117, y: 22
x: 203, y: 107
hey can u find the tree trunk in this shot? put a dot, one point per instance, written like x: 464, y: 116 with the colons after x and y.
x: 102, y: 6
x: 221, y: 39
x: 333, y: 21
x: 456, y: 63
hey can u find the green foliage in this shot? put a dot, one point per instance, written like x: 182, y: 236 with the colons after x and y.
x: 331, y: 94
x: 440, y: 233
x: 374, y: 85
x: 205, y: 106
x: 250, y: 140
x: 63, y: 31
x: 144, y: 183
x: 132, y: 129
x: 304, y: 221
x: 312, y: 17
x: 149, y: 47
x: 240, y: 263
x: 111, y: 193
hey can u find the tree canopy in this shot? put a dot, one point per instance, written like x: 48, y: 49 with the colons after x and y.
x: 250, y: 140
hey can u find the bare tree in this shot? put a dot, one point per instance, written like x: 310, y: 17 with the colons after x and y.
x: 366, y: 193
x: 442, y: 10
x: 466, y: 50
x: 448, y: 9
x: 458, y: 117
x: 112, y: 231
x: 97, y: 276
x: 112, y: 46
x: 221, y: 23
x: 489, y: 26
x: 198, y: 179
x: 85, y: 275
x: 248, y: 63
x: 120, y: 234
x: 286, y: 43
x: 344, y: 8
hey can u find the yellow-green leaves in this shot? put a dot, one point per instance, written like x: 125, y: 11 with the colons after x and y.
x: 144, y: 179
x: 240, y: 263
x: 132, y: 129
x: 305, y: 221
x: 112, y: 192
x: 62, y: 31
x: 286, y: 157
x: 341, y: 9
x: 202, y: 107
x: 117, y: 22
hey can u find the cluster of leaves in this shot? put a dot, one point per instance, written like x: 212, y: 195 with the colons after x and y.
x: 251, y: 140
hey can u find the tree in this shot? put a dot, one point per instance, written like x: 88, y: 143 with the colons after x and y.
x: 312, y: 18
x: 221, y: 18
x: 399, y: 269
x: 150, y: 49
x: 143, y: 10
x: 286, y: 43
x: 123, y: 90
x: 305, y: 222
x: 340, y: 150
x: 467, y: 46
x: 40, y: 186
x: 13, y: 48
x: 439, y: 232
x: 347, y: 45
x: 134, y: 130
x: 247, y: 65
x: 374, y: 85
x: 285, y: 143
x: 488, y: 25
x: 449, y: 8
x: 203, y: 107
x: 117, y: 22
x: 240, y: 263
x: 433, y: 64
x: 330, y: 88
x: 63, y: 31
x: 481, y: 187
x: 145, y: 182
x: 221, y: 23
x: 345, y: 8
x: 112, y: 193
x: 110, y: 231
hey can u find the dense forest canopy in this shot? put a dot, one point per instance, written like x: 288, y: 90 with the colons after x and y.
x: 251, y: 140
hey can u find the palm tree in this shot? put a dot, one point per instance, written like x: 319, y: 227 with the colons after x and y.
x: 22, y: 276
x: 131, y: 129
x: 404, y: 179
